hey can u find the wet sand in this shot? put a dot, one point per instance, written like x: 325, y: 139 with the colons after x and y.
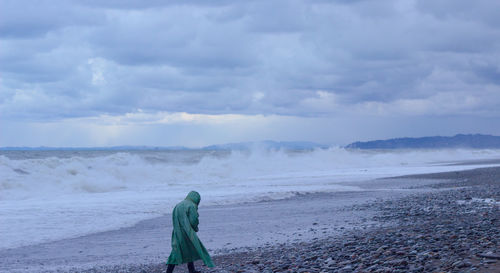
x: 234, y: 234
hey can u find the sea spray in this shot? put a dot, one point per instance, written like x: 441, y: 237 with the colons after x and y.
x: 61, y: 194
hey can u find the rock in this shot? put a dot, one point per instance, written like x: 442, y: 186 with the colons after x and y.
x: 489, y: 255
x: 461, y: 264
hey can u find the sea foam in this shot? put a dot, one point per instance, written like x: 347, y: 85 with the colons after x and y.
x: 60, y: 194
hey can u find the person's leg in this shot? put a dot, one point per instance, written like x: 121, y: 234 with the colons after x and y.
x: 170, y: 268
x: 191, y: 268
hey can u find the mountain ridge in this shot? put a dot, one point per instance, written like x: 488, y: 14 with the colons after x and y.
x: 472, y: 141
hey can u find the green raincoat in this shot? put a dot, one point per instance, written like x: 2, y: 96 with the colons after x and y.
x: 186, y: 246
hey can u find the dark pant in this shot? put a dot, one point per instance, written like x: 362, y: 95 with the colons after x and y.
x: 190, y: 265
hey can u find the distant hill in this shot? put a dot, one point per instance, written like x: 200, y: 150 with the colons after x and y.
x: 476, y: 141
x: 268, y: 145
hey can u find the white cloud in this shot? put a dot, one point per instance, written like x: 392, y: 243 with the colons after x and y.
x: 322, y: 102
x: 440, y: 104
x: 97, y: 66
x: 142, y: 118
x: 257, y: 96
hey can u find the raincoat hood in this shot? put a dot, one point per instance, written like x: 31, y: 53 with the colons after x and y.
x: 194, y: 196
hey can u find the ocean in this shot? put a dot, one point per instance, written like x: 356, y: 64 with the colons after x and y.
x: 53, y: 195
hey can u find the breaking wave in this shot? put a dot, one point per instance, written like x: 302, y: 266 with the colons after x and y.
x: 59, y: 194
x: 55, y: 175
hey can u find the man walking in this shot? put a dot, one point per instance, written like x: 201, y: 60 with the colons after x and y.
x: 186, y: 246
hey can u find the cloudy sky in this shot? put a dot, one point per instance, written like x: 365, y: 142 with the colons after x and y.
x: 193, y: 73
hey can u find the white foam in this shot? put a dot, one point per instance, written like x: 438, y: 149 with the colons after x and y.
x: 489, y: 201
x: 50, y: 198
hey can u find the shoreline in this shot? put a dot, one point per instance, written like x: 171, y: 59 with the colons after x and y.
x: 145, y: 246
x: 455, y: 229
x: 223, y: 229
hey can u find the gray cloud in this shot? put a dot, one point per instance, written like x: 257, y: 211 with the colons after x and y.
x: 30, y: 19
x: 62, y: 59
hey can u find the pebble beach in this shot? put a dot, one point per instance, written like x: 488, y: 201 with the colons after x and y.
x: 444, y: 222
x: 456, y: 229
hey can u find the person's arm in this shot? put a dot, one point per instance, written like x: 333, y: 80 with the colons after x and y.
x: 193, y: 217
